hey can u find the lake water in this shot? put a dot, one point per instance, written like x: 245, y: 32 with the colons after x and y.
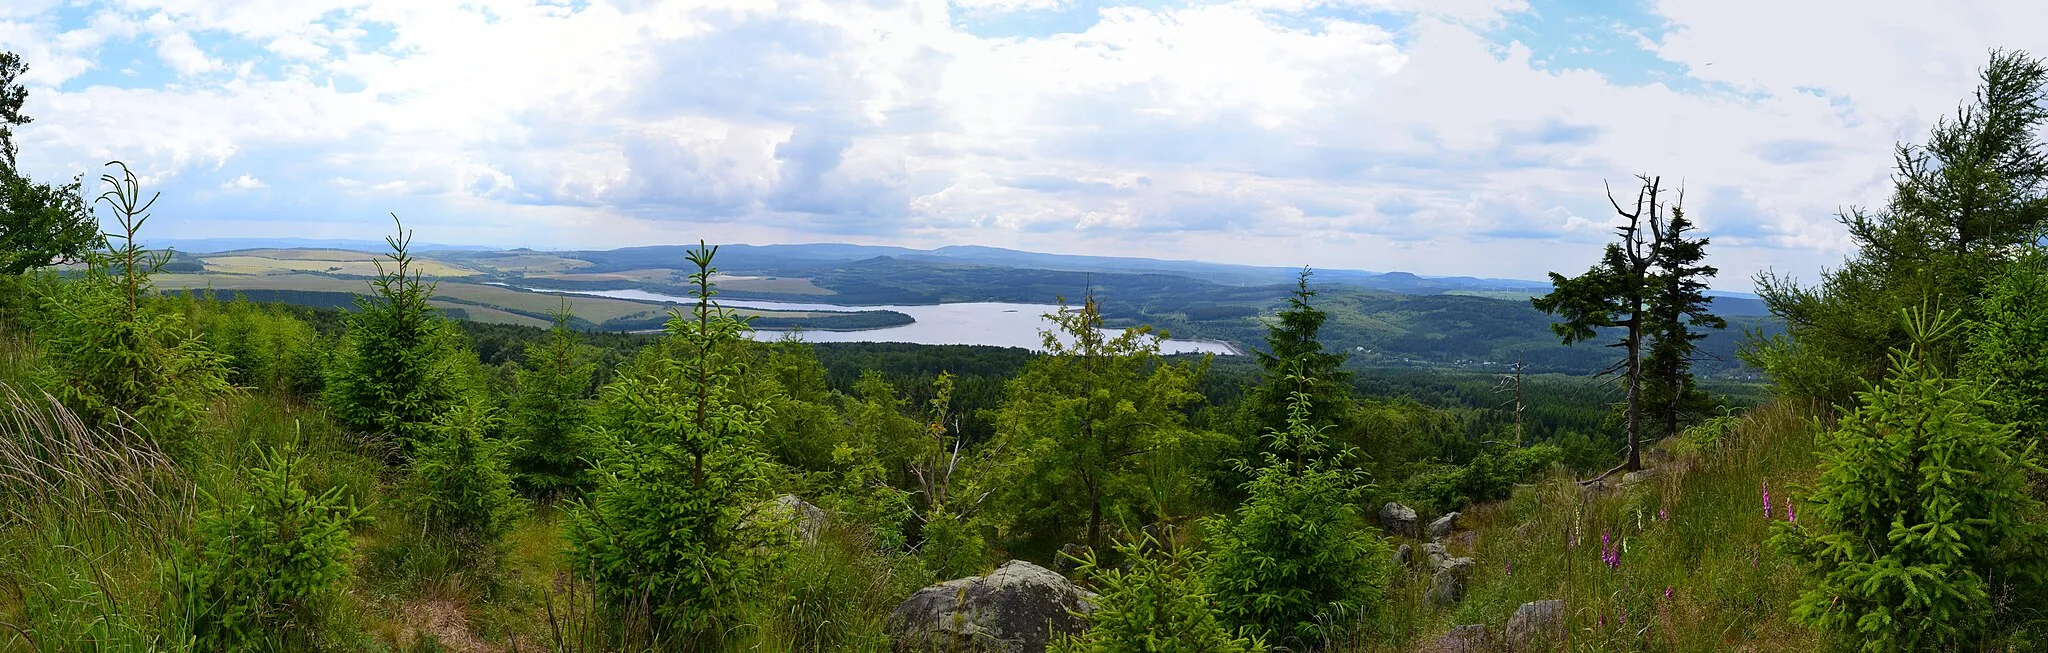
x: 975, y: 323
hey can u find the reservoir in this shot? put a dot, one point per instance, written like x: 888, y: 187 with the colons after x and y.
x: 974, y: 323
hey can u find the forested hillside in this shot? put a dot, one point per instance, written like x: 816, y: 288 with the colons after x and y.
x: 201, y: 471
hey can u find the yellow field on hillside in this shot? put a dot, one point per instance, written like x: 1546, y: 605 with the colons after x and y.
x: 649, y: 275
x: 298, y: 254
x: 492, y: 315
x: 532, y: 263
x: 595, y: 309
x: 363, y: 265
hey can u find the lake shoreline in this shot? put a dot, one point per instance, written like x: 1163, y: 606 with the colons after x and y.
x: 996, y: 324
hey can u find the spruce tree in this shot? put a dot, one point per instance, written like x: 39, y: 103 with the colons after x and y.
x: 2008, y: 340
x: 1616, y: 294
x: 1087, y: 422
x: 1920, y: 523
x: 668, y: 533
x: 1678, y: 305
x: 113, y: 348
x: 1297, y: 561
x: 265, y: 568
x: 1295, y: 352
x: 464, y: 478
x: 400, y: 364
x: 551, y: 410
x: 1155, y: 604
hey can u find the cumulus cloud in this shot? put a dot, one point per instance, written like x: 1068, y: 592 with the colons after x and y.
x: 183, y: 55
x: 1438, y: 136
x: 244, y: 182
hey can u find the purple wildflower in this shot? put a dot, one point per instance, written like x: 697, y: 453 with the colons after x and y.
x: 1511, y: 569
x: 1667, y: 592
x: 1767, y: 499
x: 1790, y: 516
x: 1663, y: 515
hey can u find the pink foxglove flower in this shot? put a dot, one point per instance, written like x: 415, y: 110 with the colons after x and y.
x: 1790, y: 516
x: 1667, y: 592
x: 1767, y: 499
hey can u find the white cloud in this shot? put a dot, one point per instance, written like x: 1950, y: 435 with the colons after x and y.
x: 242, y: 183
x: 183, y: 55
x: 1286, y: 136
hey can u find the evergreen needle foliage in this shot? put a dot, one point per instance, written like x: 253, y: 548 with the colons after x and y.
x: 113, y: 348
x: 2009, y: 344
x: 1962, y: 204
x: 1920, y: 520
x: 1157, y: 604
x: 667, y: 533
x: 400, y: 363
x: 1086, y: 422
x: 267, y: 567
x: 1298, y: 562
x: 551, y: 410
x: 465, y: 479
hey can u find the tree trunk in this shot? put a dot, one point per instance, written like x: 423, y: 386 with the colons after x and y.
x: 1635, y: 386
x: 1094, y: 514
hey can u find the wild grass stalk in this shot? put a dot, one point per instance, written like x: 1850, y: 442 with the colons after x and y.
x: 1685, y: 566
x: 85, y: 514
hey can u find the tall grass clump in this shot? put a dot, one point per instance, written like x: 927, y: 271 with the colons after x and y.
x: 85, y: 513
x: 1678, y: 561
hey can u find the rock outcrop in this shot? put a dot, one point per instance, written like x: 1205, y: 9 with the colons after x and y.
x: 1398, y: 519
x: 1535, y: 625
x: 806, y: 520
x: 1019, y: 608
x: 1637, y: 476
x: 1442, y: 527
x: 1462, y: 639
x: 1448, y: 585
x: 1434, y: 555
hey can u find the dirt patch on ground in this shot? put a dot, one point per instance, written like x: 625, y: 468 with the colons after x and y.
x: 447, y: 623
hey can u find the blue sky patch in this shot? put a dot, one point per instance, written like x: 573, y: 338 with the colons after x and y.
x: 1604, y: 36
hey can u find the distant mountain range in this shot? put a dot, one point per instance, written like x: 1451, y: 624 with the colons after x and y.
x: 783, y: 259
x: 213, y: 245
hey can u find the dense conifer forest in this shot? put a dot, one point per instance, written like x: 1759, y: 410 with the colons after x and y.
x: 220, y: 472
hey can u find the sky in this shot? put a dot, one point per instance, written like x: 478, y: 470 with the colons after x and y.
x: 1441, y: 137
